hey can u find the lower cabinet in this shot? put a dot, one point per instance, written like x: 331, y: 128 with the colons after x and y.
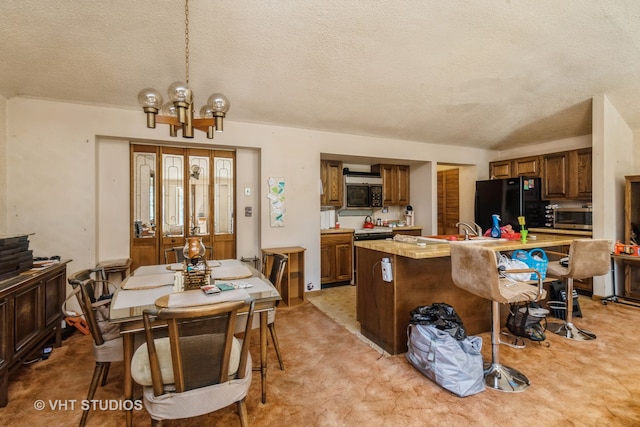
x: 336, y: 258
x: 30, y: 315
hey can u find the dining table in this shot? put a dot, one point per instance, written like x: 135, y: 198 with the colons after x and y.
x: 153, y: 286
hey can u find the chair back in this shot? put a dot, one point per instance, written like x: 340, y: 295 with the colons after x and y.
x: 275, y: 263
x: 589, y: 258
x: 83, y: 283
x: 200, y: 341
x: 176, y: 254
x: 474, y: 268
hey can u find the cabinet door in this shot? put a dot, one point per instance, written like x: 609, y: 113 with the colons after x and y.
x: 581, y: 170
x: 389, y: 184
x: 448, y: 201
x: 54, y: 296
x: 402, y: 184
x: 332, y: 183
x: 501, y: 169
x: 526, y: 166
x: 344, y: 254
x: 327, y: 262
x: 28, y: 316
x: 555, y: 180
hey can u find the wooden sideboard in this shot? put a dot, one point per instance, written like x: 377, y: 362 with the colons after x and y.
x: 30, y: 315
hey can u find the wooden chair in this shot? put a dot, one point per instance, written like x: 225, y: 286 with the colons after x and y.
x: 587, y: 258
x: 277, y: 262
x: 200, y: 367
x: 474, y: 268
x: 106, y: 336
x: 176, y: 254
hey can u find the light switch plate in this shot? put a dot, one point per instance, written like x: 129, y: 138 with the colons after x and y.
x: 247, y: 191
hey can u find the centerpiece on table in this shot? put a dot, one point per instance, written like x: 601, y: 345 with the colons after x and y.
x: 195, y: 270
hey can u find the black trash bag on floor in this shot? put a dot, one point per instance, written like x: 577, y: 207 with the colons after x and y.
x: 440, y: 315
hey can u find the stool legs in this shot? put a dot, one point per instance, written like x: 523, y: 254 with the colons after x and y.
x: 568, y: 329
x: 498, y: 376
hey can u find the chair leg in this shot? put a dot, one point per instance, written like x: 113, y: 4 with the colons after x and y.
x: 568, y: 329
x: 97, y: 375
x: 105, y: 374
x: 242, y: 412
x: 274, y: 338
x: 496, y: 375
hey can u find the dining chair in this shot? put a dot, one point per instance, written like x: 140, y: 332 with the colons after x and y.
x: 107, y: 342
x: 275, y: 264
x: 200, y: 367
x: 176, y: 254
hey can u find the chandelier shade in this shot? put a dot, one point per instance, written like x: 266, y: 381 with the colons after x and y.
x: 179, y: 111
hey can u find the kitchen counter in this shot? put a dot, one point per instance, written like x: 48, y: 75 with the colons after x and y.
x: 421, y: 276
x: 585, y: 233
x: 351, y: 230
x: 435, y: 250
x: 337, y: 231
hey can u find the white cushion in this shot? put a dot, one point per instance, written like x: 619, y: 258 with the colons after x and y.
x: 141, y: 371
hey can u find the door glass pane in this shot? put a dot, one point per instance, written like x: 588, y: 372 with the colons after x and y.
x: 223, y: 193
x: 199, y: 207
x: 144, y: 194
x: 173, y: 194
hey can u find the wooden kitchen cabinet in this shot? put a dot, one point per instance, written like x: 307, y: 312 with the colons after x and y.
x: 292, y: 286
x: 395, y: 184
x: 332, y: 183
x: 336, y: 258
x: 567, y: 175
x: 524, y: 166
x: 30, y: 316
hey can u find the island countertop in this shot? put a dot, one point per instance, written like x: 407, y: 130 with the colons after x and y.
x: 436, y: 250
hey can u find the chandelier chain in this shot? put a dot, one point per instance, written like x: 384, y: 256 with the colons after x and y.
x: 186, y: 39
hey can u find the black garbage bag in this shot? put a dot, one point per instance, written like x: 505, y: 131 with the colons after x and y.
x: 440, y: 315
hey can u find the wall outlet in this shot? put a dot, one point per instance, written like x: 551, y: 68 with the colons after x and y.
x: 248, y: 211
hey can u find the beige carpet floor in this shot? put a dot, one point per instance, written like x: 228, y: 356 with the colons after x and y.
x: 334, y: 378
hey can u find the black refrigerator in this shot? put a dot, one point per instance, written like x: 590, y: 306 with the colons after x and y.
x: 510, y: 198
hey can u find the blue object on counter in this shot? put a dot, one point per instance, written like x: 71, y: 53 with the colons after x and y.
x: 495, y: 228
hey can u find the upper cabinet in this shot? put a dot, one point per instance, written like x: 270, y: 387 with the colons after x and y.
x: 524, y: 166
x: 395, y: 183
x: 567, y: 175
x: 332, y: 183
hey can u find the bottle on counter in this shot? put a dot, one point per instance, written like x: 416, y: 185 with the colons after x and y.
x: 495, y: 227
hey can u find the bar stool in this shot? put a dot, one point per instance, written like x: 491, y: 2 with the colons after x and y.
x: 474, y: 268
x: 587, y: 258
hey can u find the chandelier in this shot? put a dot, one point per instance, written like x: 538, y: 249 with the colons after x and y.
x: 178, y: 112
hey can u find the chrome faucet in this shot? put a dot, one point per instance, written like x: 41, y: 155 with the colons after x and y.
x: 475, y: 229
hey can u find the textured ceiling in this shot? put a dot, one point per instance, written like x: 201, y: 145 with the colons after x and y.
x: 490, y: 74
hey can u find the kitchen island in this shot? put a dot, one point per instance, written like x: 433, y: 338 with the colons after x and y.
x: 421, y: 276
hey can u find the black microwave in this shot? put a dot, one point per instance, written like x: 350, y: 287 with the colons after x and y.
x: 573, y: 218
x: 363, y: 193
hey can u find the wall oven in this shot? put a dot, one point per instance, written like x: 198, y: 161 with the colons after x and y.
x: 363, y: 191
x: 573, y: 218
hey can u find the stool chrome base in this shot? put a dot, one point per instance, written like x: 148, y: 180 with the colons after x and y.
x: 504, y: 378
x: 570, y: 331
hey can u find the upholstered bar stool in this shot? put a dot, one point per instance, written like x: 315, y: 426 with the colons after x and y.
x: 587, y: 258
x: 474, y: 268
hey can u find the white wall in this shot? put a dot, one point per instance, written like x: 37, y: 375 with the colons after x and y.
x: 55, y: 169
x: 3, y: 165
x: 612, y: 160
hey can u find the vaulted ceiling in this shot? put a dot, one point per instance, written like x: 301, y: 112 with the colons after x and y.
x: 491, y: 74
